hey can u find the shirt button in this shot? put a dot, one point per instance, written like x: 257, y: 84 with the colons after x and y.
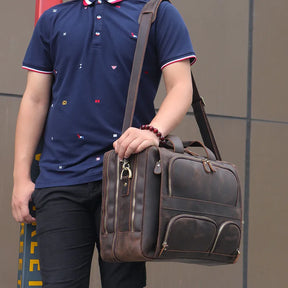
x: 99, y: 17
x: 97, y: 33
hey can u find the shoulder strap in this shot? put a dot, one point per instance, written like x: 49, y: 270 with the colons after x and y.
x: 202, y: 121
x: 146, y: 18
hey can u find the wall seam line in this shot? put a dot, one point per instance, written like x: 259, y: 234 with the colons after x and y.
x: 211, y: 115
x: 248, y: 147
x: 10, y: 95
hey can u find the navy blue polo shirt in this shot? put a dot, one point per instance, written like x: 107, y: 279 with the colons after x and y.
x: 88, y: 47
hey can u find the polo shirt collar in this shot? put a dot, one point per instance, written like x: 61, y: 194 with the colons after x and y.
x: 89, y: 2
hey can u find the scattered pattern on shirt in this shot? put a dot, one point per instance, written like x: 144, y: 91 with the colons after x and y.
x: 91, y: 82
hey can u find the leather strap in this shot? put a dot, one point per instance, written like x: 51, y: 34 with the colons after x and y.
x: 146, y: 18
x: 202, y: 121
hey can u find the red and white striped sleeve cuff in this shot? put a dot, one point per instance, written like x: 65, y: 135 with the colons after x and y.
x: 37, y: 70
x: 191, y: 57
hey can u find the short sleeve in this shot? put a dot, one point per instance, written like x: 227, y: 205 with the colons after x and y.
x: 37, y: 57
x: 172, y: 36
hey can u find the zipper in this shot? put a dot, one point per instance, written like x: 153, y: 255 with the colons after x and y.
x: 134, y: 198
x: 106, y: 200
x: 116, y: 198
x: 171, y: 222
x: 116, y: 208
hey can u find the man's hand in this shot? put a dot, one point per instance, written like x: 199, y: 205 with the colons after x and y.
x: 134, y: 141
x: 20, y: 202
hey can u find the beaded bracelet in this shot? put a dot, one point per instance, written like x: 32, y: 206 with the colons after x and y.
x: 154, y: 130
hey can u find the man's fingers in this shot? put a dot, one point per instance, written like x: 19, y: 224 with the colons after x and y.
x: 132, y: 147
x: 25, y: 214
x: 122, y: 144
x: 134, y: 141
x: 29, y: 219
x: 22, y: 215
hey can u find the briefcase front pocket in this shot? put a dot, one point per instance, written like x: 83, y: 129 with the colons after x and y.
x: 204, y: 180
x: 187, y: 233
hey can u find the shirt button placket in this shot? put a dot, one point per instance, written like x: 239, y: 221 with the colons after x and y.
x: 98, y: 23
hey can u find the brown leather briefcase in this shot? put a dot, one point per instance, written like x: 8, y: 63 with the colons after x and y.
x: 171, y: 206
x: 169, y: 203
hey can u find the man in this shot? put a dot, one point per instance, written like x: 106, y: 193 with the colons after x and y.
x: 79, y: 62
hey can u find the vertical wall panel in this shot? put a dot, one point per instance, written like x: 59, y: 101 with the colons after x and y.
x: 16, y: 22
x: 219, y: 32
x: 268, y: 232
x: 270, y: 60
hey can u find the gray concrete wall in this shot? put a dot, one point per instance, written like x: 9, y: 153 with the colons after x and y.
x: 241, y: 72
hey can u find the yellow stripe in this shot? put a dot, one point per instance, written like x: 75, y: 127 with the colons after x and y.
x: 21, y: 247
x: 35, y: 283
x: 37, y: 157
x: 20, y: 264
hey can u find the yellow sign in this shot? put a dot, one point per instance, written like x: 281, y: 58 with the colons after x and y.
x: 28, y: 264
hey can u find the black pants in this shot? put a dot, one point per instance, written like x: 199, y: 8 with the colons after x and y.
x: 68, y: 224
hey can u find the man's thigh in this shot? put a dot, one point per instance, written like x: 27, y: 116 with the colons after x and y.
x: 66, y: 236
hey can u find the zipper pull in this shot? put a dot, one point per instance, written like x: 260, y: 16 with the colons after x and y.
x: 164, y: 248
x: 157, y: 168
x: 237, y: 254
x: 212, y: 168
x: 206, y: 165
